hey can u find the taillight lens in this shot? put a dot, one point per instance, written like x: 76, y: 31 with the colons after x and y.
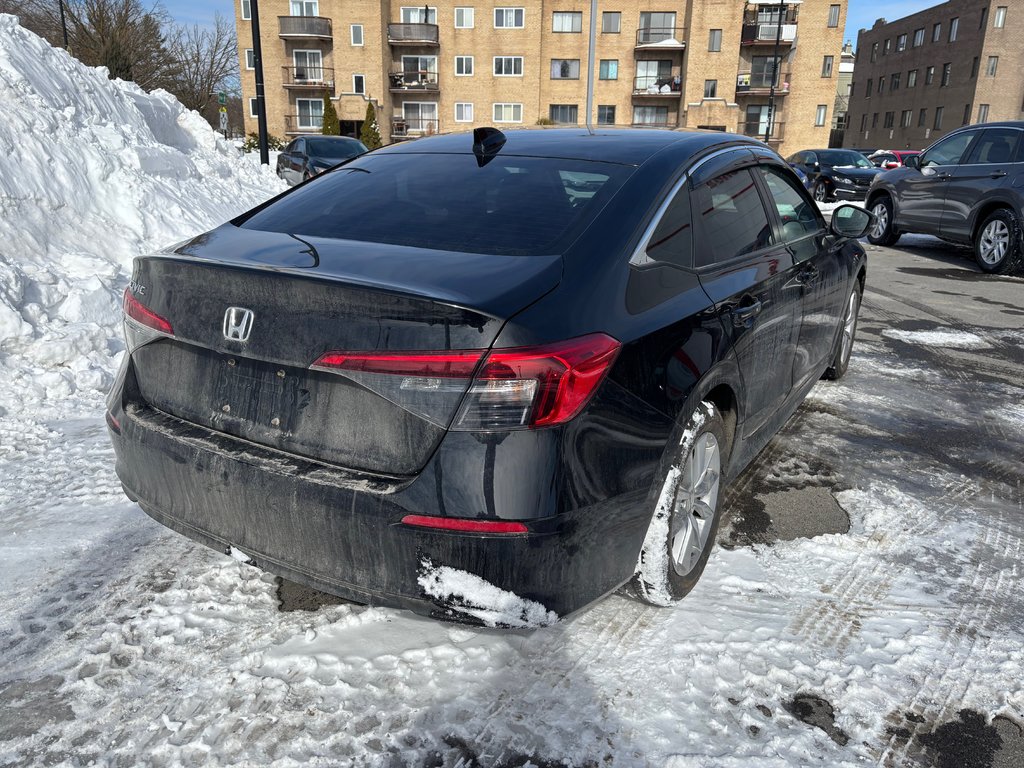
x: 141, y: 314
x: 515, y: 388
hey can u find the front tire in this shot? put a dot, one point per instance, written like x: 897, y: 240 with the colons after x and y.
x: 822, y: 191
x: 884, y: 231
x: 997, y: 247
x: 686, y: 513
x: 844, y: 345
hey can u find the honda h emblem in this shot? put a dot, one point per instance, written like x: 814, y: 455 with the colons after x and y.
x: 238, y: 323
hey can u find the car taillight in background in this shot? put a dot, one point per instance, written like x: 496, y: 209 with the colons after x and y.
x: 515, y: 388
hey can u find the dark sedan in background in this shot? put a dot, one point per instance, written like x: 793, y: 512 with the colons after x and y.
x: 965, y: 188
x: 307, y: 156
x: 835, y: 174
x: 490, y: 377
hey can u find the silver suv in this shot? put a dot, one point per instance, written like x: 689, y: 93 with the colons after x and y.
x: 966, y: 188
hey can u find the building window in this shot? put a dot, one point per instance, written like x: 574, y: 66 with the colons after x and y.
x: 710, y: 89
x: 357, y: 34
x: 947, y: 69
x: 308, y: 66
x: 650, y: 115
x: 715, y: 40
x: 305, y: 8
x: 929, y: 75
x: 886, y: 47
x: 826, y: 66
x: 867, y: 94
x: 983, y: 113
x: 937, y: 125
x: 508, y: 66
x: 820, y: 114
x: 567, y: 21
x: 508, y: 18
x: 874, y: 51
x: 250, y: 59
x: 936, y: 32
x: 420, y: 116
x: 864, y: 122
x: 310, y: 113
x: 252, y: 104
x: 463, y: 66
x: 563, y: 114
x: 918, y: 37
x: 606, y: 114
x: 993, y: 64
x: 463, y: 112
x: 874, y: 120
x: 608, y: 69
x: 358, y: 84
x: 247, y: 12
x: 906, y: 118
x: 881, y: 84
x: 974, y: 68
x: 565, y: 69
x: 508, y: 113
x: 984, y: 18
x: 419, y: 15
x: 998, y: 21
x: 833, y: 15
x: 911, y: 78
x: 967, y: 114
x: 922, y: 118
x: 611, y: 22
x: 954, y: 25
x: 465, y: 19
x: 419, y: 70
x: 901, y: 43
x: 889, y: 119
x: 894, y: 84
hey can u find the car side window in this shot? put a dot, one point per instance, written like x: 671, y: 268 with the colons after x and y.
x: 731, y: 217
x: 796, y: 159
x: 810, y: 158
x: 300, y: 146
x: 798, y: 215
x: 996, y: 145
x: 948, y: 151
x: 290, y: 147
x: 672, y: 241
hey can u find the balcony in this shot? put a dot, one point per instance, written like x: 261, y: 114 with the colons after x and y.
x: 655, y: 87
x: 748, y: 84
x: 298, y: 27
x: 760, y: 34
x: 757, y: 130
x: 418, y: 81
x: 413, y: 34
x: 661, y: 38
x: 309, y: 78
x: 303, y: 124
x: 412, y: 127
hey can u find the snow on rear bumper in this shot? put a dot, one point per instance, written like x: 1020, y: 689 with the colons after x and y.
x: 343, y: 534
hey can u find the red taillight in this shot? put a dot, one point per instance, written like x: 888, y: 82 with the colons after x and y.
x: 512, y: 388
x: 466, y: 526
x: 134, y: 309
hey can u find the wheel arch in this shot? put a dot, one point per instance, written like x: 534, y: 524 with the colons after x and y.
x: 985, y: 210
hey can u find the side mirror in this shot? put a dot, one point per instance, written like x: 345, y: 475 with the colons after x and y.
x: 850, y: 221
x: 913, y: 161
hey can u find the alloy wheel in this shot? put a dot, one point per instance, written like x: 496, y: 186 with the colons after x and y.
x: 881, y: 214
x: 821, y: 193
x: 696, y: 500
x: 849, y: 327
x: 994, y: 242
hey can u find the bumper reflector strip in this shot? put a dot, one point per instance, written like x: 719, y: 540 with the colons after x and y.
x: 464, y: 525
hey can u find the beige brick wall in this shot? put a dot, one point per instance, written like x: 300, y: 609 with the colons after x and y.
x: 538, y: 44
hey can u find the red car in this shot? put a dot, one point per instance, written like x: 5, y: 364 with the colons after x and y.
x: 891, y: 158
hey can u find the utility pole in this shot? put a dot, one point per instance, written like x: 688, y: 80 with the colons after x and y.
x: 775, y: 75
x: 64, y: 25
x: 261, y: 104
x: 590, y: 65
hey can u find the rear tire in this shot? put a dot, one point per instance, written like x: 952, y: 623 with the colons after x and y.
x: 686, y: 513
x: 997, y: 247
x: 884, y: 231
x: 844, y: 344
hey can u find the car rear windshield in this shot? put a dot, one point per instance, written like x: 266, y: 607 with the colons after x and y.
x: 333, y: 148
x: 509, y: 205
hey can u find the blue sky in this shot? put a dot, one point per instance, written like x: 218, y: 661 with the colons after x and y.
x: 861, y: 13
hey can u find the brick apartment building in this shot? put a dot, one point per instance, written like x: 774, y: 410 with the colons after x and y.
x: 919, y: 77
x: 452, y: 66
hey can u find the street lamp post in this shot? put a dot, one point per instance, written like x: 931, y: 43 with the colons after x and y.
x: 261, y: 104
x: 63, y: 24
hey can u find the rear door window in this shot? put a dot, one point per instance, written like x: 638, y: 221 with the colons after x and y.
x: 949, y: 150
x: 731, y: 218
x: 996, y: 146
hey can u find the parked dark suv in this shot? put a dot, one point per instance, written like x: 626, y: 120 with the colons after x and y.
x: 835, y: 174
x: 966, y: 187
x: 491, y: 377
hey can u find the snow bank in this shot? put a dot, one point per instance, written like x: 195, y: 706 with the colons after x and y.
x: 93, y: 172
x: 947, y: 339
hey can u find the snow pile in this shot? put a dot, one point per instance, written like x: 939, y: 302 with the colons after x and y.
x: 93, y: 172
x: 467, y: 593
x: 947, y: 339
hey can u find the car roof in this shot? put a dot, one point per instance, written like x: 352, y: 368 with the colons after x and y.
x: 330, y: 138
x: 628, y: 146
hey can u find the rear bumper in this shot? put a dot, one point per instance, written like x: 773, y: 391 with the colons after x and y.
x: 343, y: 533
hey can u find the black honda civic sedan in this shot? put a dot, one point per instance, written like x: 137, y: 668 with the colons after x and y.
x: 489, y: 377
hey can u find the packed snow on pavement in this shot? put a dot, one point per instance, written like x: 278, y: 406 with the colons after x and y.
x: 122, y: 643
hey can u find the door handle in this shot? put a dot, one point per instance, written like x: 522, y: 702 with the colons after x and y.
x: 997, y: 174
x: 742, y: 315
x: 808, y: 274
